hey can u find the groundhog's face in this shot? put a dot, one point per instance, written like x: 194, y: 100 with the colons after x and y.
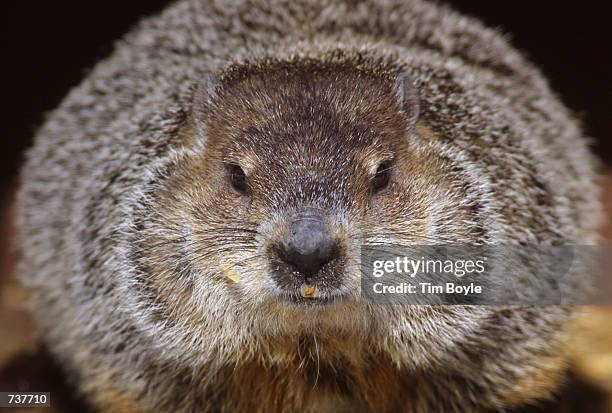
x: 264, y: 226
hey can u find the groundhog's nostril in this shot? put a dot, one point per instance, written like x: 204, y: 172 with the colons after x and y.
x: 308, y: 246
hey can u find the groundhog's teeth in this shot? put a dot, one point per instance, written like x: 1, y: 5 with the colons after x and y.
x: 308, y: 290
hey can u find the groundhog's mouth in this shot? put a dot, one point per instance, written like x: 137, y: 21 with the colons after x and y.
x: 322, y: 299
x: 327, y: 284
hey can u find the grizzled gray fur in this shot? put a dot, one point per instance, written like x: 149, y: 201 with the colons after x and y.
x: 129, y: 228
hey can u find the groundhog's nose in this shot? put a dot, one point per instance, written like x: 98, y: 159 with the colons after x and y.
x: 308, y: 246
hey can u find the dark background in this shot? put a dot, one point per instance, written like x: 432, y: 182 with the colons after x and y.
x: 49, y: 46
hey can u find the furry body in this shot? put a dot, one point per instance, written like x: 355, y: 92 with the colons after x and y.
x: 108, y: 189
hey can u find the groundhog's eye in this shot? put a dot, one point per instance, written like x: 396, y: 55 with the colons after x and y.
x: 238, y: 178
x: 381, y: 177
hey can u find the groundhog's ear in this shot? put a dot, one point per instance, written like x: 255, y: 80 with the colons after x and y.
x: 203, y: 100
x: 408, y: 97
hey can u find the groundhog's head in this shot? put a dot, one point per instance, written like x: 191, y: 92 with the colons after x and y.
x: 254, y: 237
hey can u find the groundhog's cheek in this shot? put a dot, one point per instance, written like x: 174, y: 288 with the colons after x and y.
x: 401, y: 216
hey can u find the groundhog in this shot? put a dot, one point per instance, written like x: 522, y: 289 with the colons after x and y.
x: 191, y: 216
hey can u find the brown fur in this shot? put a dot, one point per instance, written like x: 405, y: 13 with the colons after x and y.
x: 150, y: 269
